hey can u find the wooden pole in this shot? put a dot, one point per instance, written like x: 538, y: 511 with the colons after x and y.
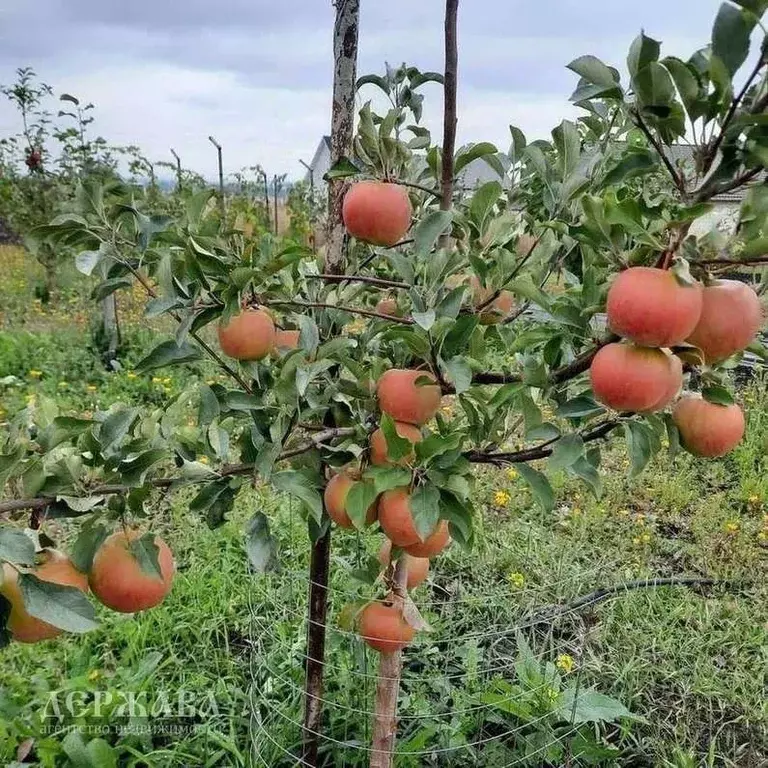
x: 222, y: 202
x: 387, y: 692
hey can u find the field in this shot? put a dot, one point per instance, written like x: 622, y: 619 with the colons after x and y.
x: 688, y: 663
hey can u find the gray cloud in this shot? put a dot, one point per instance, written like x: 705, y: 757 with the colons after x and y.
x: 261, y: 69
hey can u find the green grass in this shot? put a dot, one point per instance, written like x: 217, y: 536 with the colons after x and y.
x: 689, y: 664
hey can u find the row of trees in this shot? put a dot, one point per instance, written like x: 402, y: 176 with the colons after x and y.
x: 355, y: 385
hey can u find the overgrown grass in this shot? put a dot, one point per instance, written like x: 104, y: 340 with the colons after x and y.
x: 689, y: 664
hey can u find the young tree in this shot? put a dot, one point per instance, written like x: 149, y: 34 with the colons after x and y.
x: 374, y: 413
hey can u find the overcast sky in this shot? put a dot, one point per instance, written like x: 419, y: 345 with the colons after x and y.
x: 257, y: 73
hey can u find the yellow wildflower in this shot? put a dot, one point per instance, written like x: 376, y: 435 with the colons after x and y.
x: 754, y: 499
x: 512, y: 474
x: 732, y: 527
x: 565, y: 663
x: 203, y: 459
x: 91, y: 388
x: 94, y: 675
x: 33, y: 374
x: 168, y: 380
x: 132, y: 375
x: 157, y: 380
x: 517, y: 580
x: 501, y: 498
x: 63, y: 384
x: 210, y: 381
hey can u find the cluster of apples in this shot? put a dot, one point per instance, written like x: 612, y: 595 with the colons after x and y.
x: 411, y: 398
x: 653, y: 311
x: 252, y: 335
x: 115, y: 579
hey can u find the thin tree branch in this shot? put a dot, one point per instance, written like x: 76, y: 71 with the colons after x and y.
x: 758, y: 262
x: 676, y: 177
x: 434, y: 192
x: 340, y: 308
x: 708, y: 191
x: 378, y: 281
x: 229, y: 470
x: 541, y: 451
x: 558, y: 376
x: 515, y: 272
x: 450, y: 119
x: 713, y: 150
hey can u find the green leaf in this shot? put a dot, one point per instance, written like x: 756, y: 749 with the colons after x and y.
x: 585, y: 706
x: 758, y: 7
x: 639, y: 445
x: 359, y: 500
x: 483, y: 203
x: 730, y: 36
x: 424, y: 320
x: 687, y: 85
x: 714, y: 393
x: 566, y: 452
x: 643, y: 51
x: 397, y: 447
x: 467, y: 155
x: 64, y: 607
x: 16, y: 547
x: 459, y: 373
x: 115, y: 427
x: 587, y: 472
x: 96, y: 754
x: 427, y: 231
x: 342, y: 170
x: 108, y: 287
x: 568, y: 143
x: 309, y: 335
x: 654, y: 86
x: 299, y: 485
x: 168, y: 353
x: 387, y: 478
x: 637, y: 162
x: 215, y: 501
x: 425, y: 508
x: 539, y: 485
x: 135, y: 468
x: 146, y: 553
x: 86, y: 261
x: 376, y: 80
x: 260, y: 545
x: 459, y: 515
x: 593, y: 71
x: 90, y: 538
x: 579, y: 407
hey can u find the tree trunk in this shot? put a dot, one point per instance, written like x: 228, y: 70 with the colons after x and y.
x: 387, y: 691
x: 313, y: 680
x: 342, y: 125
